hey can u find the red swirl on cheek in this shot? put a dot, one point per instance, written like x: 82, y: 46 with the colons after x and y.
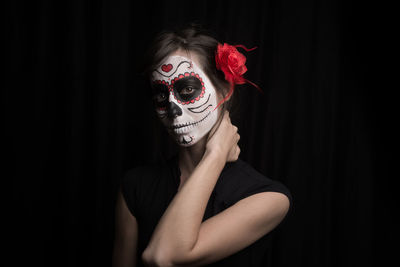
x: 187, y: 74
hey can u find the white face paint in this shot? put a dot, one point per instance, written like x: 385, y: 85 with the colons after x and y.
x: 184, y: 99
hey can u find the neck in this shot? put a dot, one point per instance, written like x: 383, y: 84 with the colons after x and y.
x: 189, y: 157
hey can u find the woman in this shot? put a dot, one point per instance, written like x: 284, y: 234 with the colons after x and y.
x: 203, y: 206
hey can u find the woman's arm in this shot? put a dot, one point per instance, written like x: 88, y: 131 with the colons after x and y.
x: 126, y: 232
x: 181, y: 238
x: 178, y: 229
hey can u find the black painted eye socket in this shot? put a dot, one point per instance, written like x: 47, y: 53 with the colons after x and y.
x: 160, y: 94
x: 160, y: 97
x: 187, y: 88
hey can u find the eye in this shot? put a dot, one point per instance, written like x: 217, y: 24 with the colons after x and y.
x: 187, y: 90
x: 160, y: 97
x: 160, y: 92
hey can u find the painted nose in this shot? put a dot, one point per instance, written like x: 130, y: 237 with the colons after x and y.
x: 174, y: 110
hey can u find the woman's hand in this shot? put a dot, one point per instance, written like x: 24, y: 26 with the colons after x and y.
x: 223, y: 140
x: 175, y: 239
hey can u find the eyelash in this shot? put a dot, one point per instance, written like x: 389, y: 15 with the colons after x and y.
x: 186, y: 88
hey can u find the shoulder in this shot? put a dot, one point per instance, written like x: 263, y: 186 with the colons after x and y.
x: 239, y: 180
x: 137, y: 182
x: 241, y: 168
x: 137, y: 173
x: 134, y: 178
x: 140, y: 176
x: 147, y: 171
x: 149, y: 174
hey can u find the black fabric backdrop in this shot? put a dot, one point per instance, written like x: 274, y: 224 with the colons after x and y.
x: 77, y: 116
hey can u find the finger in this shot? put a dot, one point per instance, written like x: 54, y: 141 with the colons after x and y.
x: 232, y: 152
x: 227, y: 116
x: 226, y: 113
x: 235, y: 154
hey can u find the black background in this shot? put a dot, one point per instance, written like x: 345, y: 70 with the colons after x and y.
x: 77, y: 115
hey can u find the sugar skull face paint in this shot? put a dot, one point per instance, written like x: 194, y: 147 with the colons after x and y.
x: 184, y: 99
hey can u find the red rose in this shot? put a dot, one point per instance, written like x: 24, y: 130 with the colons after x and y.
x: 231, y: 62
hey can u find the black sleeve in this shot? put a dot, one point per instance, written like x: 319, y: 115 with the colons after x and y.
x: 241, y: 180
x: 129, y: 186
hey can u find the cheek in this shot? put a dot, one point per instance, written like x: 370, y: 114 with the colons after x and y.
x: 161, y: 112
x: 206, y: 104
x: 205, y: 128
x: 210, y: 90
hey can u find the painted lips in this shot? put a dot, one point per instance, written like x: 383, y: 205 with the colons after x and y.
x: 183, y: 128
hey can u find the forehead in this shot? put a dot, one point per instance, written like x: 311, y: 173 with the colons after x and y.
x: 176, y: 64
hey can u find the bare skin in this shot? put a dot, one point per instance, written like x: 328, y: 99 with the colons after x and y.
x: 181, y: 238
x: 190, y: 157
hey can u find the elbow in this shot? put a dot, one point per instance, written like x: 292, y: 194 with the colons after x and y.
x: 149, y: 259
x: 283, y: 206
x: 156, y: 259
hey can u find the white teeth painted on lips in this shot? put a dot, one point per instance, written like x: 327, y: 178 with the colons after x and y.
x: 182, y: 130
x: 185, y: 128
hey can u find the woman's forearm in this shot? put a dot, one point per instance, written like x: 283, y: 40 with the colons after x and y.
x: 178, y: 228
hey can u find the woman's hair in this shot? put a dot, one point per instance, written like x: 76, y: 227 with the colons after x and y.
x: 192, y: 39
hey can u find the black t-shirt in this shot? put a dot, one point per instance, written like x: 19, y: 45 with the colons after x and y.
x: 149, y: 189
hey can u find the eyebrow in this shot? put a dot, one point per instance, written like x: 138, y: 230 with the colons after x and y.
x: 180, y: 63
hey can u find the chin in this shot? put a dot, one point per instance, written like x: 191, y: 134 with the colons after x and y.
x: 188, y: 140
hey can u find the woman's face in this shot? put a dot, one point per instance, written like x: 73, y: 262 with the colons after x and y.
x: 184, y: 98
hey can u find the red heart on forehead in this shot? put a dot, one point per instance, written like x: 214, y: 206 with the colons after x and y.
x: 166, y: 68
